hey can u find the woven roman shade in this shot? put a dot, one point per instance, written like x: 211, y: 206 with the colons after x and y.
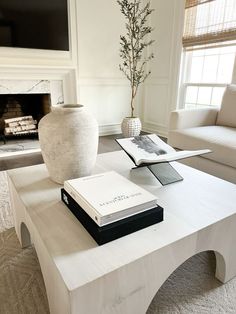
x: 209, y: 22
x: 193, y: 3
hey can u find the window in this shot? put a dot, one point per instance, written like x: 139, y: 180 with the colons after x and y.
x: 207, y: 73
x: 209, y: 51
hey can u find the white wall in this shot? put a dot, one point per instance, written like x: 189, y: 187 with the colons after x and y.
x: 102, y: 87
x: 90, y: 70
x: 160, y: 93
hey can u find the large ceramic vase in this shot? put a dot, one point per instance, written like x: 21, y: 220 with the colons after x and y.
x: 131, y: 126
x: 68, y: 139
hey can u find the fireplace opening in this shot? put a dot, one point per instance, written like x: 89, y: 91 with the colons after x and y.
x: 21, y: 113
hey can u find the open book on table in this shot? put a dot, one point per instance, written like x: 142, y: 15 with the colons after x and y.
x: 150, y: 149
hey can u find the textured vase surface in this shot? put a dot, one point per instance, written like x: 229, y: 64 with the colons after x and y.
x: 68, y: 139
x: 131, y: 127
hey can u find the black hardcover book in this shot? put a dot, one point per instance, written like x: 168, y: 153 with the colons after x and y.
x: 116, y: 229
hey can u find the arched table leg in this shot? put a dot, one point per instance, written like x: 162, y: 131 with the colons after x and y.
x: 225, y: 267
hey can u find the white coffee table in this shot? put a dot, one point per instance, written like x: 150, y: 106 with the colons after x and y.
x: 122, y: 276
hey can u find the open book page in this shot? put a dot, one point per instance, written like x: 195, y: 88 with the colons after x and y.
x: 147, y: 149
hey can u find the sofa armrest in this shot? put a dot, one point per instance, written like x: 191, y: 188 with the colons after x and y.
x: 190, y: 118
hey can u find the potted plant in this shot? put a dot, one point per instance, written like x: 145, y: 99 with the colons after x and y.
x: 134, y: 55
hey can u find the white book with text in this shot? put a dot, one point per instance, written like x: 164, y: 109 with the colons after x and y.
x: 108, y: 197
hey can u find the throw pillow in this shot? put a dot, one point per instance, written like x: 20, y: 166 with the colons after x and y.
x: 227, y: 113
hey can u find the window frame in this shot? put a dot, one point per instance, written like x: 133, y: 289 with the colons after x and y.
x: 186, y: 63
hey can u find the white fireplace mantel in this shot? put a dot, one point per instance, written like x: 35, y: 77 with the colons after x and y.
x: 59, y: 82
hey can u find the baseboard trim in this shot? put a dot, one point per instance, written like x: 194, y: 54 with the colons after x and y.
x: 155, y: 130
x: 109, y: 129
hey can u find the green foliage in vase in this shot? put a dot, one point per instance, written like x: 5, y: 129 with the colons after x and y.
x: 134, y: 43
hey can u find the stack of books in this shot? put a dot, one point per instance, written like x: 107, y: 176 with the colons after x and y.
x: 110, y: 206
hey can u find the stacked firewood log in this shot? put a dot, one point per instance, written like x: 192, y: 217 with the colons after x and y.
x: 20, y: 125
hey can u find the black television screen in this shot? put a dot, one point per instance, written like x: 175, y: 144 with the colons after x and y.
x: 37, y: 24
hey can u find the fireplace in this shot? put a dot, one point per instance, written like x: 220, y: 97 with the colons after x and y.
x: 22, y: 106
x: 32, y: 92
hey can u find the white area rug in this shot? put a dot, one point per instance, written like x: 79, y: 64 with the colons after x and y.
x: 192, y: 288
x: 6, y: 218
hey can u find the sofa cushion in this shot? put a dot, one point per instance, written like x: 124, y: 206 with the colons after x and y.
x: 227, y: 113
x: 220, y: 140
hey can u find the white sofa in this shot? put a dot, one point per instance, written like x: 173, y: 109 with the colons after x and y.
x: 208, y: 128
